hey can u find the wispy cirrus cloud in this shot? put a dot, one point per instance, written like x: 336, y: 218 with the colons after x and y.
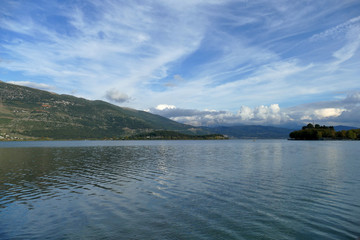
x: 338, y: 31
x: 119, y: 42
x: 351, y: 47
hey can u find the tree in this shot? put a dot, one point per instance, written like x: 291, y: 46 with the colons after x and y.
x: 319, y: 135
x: 309, y: 126
x: 341, y: 134
x: 350, y: 134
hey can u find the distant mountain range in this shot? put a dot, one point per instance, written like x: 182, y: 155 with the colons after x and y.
x: 341, y: 127
x: 252, y: 131
x: 28, y: 113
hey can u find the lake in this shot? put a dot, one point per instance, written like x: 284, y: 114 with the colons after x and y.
x: 230, y: 189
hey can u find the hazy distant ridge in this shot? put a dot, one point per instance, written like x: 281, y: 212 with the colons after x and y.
x: 252, y: 131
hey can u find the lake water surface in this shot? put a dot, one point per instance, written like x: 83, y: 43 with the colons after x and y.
x: 231, y: 189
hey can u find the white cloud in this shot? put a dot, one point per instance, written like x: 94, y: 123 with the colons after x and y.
x: 245, y: 113
x: 115, y: 95
x: 162, y: 107
x: 328, y: 112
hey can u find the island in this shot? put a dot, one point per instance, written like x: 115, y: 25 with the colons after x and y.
x: 317, y: 132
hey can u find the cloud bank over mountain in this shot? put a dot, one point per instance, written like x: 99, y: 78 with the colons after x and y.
x: 339, y: 112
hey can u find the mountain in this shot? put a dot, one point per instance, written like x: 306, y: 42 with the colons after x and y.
x: 252, y: 131
x: 341, y: 127
x: 28, y: 113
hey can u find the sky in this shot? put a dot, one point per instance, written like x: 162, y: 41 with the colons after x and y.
x: 213, y: 62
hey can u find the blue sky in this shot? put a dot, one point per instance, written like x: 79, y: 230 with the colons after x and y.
x: 195, y: 61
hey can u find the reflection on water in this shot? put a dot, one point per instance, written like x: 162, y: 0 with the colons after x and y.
x: 180, y: 190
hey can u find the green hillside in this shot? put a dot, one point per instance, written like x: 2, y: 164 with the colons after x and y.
x: 28, y: 113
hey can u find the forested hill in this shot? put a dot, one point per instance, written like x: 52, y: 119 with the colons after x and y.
x: 31, y: 113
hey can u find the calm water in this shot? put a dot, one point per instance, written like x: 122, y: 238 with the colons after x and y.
x: 236, y: 189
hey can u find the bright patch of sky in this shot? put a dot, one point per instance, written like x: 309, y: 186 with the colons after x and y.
x: 251, y: 62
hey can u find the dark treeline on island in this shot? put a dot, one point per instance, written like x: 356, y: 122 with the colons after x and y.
x: 317, y: 132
